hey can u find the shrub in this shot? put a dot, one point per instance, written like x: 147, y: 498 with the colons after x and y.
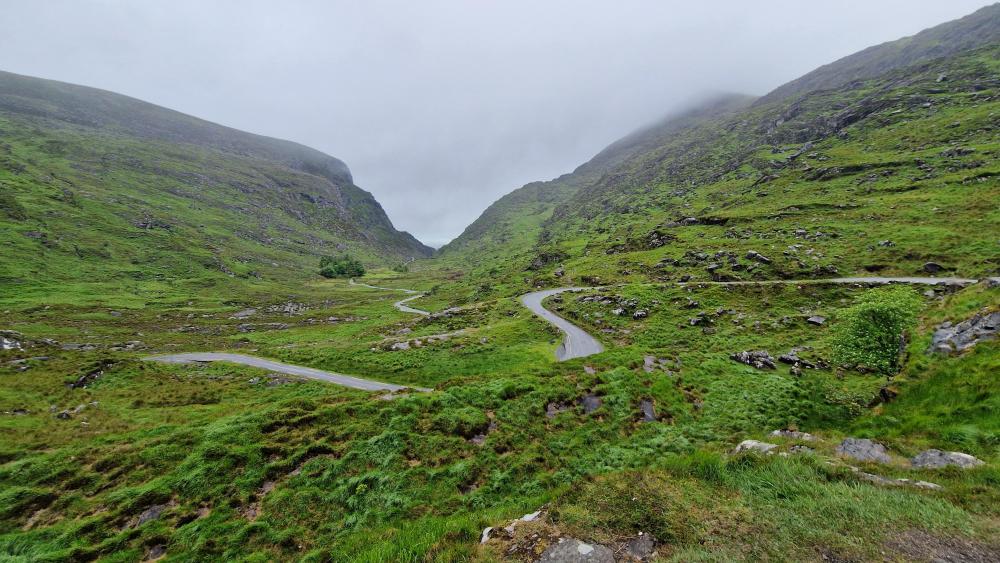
x: 345, y: 266
x: 872, y: 333
x: 401, y: 268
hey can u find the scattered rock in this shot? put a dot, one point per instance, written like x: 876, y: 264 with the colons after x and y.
x: 759, y: 359
x: 793, y: 435
x: 244, y: 314
x: 863, y: 449
x: 758, y: 257
x: 570, y: 550
x: 936, y: 459
x: 648, y: 410
x: 639, y: 548
x: 11, y: 340
x: 950, y: 339
x: 889, y: 482
x: 816, y: 320
x: 156, y: 552
x: 151, y: 513
x: 553, y: 409
x: 590, y: 403
x: 754, y: 446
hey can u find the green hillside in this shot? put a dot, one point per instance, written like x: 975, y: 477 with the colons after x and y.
x: 895, y: 175
x: 874, y: 411
x: 100, y: 189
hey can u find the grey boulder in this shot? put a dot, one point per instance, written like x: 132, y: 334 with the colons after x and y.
x: 863, y: 449
x: 935, y: 459
x: 951, y: 339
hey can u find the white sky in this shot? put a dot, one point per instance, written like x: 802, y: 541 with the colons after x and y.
x: 441, y: 107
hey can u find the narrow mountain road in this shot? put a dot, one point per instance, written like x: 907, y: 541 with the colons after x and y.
x: 578, y: 343
x: 401, y: 304
x: 301, y: 371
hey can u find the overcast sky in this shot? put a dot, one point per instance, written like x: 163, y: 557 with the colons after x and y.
x: 441, y: 107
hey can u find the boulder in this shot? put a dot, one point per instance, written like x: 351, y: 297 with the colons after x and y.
x: 950, y: 339
x: 754, y: 446
x: 571, y: 550
x: 932, y: 267
x: 759, y: 359
x: 935, y: 459
x: 11, y: 340
x: 863, y: 449
x: 640, y: 314
x: 816, y: 320
x: 639, y: 548
x: 648, y: 410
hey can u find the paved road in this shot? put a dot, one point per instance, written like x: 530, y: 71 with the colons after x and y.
x: 401, y: 304
x: 310, y: 373
x: 844, y: 281
x: 577, y: 343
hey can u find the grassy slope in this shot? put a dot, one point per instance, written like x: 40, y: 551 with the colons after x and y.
x: 165, y: 203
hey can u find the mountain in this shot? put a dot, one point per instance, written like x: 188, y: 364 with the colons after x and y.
x: 974, y: 30
x: 102, y: 187
x: 866, y: 176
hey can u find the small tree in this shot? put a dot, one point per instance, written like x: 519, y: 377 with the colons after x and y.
x: 872, y: 332
x: 343, y: 266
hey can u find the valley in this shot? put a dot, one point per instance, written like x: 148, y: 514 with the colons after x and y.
x: 762, y: 329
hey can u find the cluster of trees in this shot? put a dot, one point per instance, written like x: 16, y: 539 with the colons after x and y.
x: 343, y: 266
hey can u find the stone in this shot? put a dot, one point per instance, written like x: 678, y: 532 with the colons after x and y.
x: 618, y: 312
x: 754, y: 446
x: 485, y: 537
x: 648, y: 410
x: 800, y: 449
x: 863, y: 449
x: 11, y: 340
x: 793, y: 435
x: 553, y: 409
x: 648, y: 364
x: 156, y: 552
x: 758, y: 257
x: 640, y: 548
x: 932, y: 267
x: 590, y: 403
x: 401, y: 346
x: 151, y: 513
x: 936, y: 459
x: 759, y: 359
x: 640, y: 314
x: 571, y: 550
x: 951, y: 339
x: 245, y: 313
x: 816, y: 320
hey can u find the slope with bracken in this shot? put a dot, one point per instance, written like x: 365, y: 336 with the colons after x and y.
x: 106, y: 189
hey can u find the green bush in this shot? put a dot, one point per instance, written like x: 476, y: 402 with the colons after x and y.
x: 871, y: 334
x: 400, y: 268
x: 345, y: 266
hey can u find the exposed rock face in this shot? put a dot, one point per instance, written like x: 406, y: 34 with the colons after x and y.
x: 648, y: 410
x: 759, y: 359
x: 950, y: 339
x: 570, y: 550
x: 935, y: 459
x: 863, y: 449
x: 754, y: 446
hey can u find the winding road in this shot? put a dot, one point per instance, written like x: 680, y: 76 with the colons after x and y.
x: 576, y: 344
x: 289, y: 369
x: 401, y: 304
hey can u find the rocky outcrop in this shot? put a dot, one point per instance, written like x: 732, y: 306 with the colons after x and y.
x: 953, y: 338
x: 759, y: 359
x: 754, y: 446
